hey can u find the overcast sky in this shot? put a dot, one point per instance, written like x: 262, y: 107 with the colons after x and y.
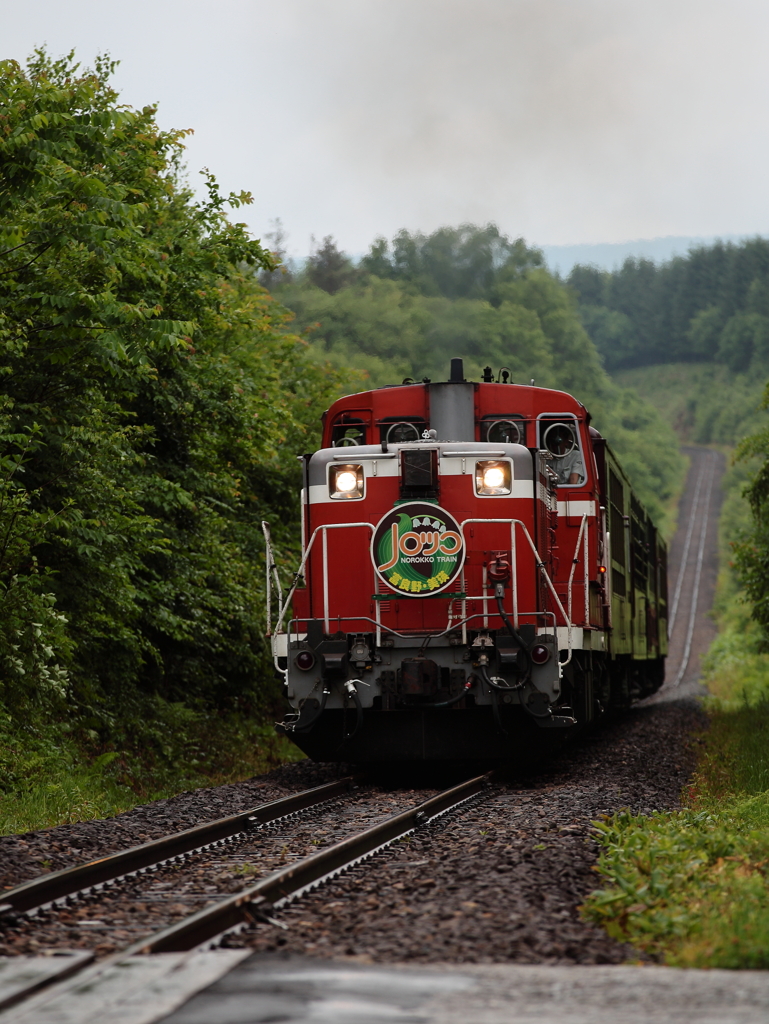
x: 564, y: 121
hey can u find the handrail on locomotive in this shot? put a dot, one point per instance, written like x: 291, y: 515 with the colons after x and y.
x: 582, y: 540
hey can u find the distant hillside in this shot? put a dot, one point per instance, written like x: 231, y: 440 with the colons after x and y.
x: 711, y: 306
x: 703, y: 402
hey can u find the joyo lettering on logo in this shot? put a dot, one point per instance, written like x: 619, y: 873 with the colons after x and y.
x: 418, y: 549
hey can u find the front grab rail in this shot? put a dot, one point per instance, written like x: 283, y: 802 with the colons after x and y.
x: 582, y: 540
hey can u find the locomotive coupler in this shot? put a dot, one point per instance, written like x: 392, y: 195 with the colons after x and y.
x: 334, y: 659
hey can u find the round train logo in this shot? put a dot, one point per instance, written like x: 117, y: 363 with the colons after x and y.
x: 418, y: 548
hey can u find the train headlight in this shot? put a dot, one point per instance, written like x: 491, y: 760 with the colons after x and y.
x: 346, y: 482
x: 493, y: 477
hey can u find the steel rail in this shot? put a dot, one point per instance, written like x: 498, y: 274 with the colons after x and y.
x: 697, y: 575
x: 58, y: 884
x: 685, y: 555
x: 253, y: 903
x: 289, y: 882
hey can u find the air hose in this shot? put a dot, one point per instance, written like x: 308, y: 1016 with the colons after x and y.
x: 306, y: 726
x: 497, y: 714
x: 525, y: 672
x: 498, y: 687
x: 455, y: 699
x: 352, y: 692
x: 495, y: 688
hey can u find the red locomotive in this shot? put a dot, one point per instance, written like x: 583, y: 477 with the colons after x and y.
x: 477, y: 574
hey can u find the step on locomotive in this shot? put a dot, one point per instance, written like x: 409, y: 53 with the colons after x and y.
x: 477, y: 577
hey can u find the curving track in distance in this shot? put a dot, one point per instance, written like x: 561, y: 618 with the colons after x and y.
x: 692, y: 573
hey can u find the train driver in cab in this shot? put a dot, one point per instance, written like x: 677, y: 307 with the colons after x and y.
x: 560, y: 439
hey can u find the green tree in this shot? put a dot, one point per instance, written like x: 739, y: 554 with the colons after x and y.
x: 752, y: 549
x: 612, y: 332
x: 679, y: 310
x: 149, y: 392
x: 328, y: 268
x: 704, y: 332
x: 739, y: 339
x: 462, y: 262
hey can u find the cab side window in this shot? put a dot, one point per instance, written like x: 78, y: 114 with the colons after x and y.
x: 559, y: 435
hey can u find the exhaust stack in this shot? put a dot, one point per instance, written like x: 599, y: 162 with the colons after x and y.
x: 452, y: 406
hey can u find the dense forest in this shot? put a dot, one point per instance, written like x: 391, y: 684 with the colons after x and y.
x: 149, y: 393
x: 711, y: 305
x: 691, y: 333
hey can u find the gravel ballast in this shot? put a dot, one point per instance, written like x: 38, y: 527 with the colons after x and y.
x: 501, y: 882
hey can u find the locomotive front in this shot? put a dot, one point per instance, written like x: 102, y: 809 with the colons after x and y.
x: 426, y: 622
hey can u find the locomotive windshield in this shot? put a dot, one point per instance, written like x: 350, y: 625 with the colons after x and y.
x: 561, y: 439
x: 400, y: 432
x: 504, y: 431
x: 348, y: 431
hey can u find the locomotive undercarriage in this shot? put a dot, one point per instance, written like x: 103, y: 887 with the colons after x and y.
x: 438, y: 698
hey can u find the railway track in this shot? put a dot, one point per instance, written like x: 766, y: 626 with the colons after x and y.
x: 498, y: 882
x: 109, y: 885
x: 693, y: 565
x: 81, y: 879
